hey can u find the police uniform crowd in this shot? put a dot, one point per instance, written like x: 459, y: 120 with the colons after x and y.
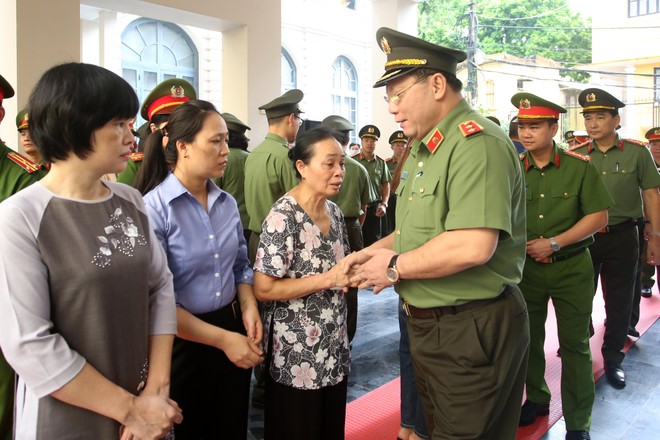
x: 475, y: 237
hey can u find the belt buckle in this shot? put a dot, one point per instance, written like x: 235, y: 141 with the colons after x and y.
x: 406, y: 309
x: 546, y: 260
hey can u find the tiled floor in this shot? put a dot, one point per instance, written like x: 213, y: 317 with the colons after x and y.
x: 631, y: 413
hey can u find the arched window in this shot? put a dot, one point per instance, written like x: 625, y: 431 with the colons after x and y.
x: 153, y: 51
x: 289, y: 74
x: 344, y: 90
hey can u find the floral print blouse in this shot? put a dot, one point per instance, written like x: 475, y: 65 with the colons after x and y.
x: 309, y: 346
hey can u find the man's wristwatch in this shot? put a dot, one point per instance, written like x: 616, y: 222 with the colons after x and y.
x: 554, y: 245
x: 392, y: 273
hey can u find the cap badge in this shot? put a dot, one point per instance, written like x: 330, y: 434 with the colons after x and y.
x: 178, y: 92
x: 524, y: 104
x: 400, y: 135
x: 591, y: 97
x: 385, y: 46
x: 657, y: 131
x: 370, y: 130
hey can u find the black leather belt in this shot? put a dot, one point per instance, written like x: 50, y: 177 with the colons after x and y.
x: 556, y: 258
x: 437, y: 312
x: 627, y: 224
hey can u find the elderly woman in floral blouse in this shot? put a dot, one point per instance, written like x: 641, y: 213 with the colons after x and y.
x: 299, y: 272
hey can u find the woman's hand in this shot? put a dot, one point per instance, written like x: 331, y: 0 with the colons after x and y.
x: 150, y: 417
x: 252, y: 321
x: 340, y: 275
x: 241, y: 350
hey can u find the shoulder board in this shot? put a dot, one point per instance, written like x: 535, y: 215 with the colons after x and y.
x: 635, y: 142
x: 137, y: 157
x: 468, y: 128
x: 521, y: 156
x: 23, y: 162
x: 583, y: 144
x: 356, y: 156
x: 389, y: 159
x: 583, y: 157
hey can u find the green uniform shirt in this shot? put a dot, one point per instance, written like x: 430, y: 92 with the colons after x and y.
x: 233, y: 181
x: 391, y: 163
x: 377, y: 169
x: 626, y: 167
x: 268, y: 176
x: 356, y: 189
x: 14, y: 177
x: 560, y: 194
x: 132, y: 167
x: 472, y: 180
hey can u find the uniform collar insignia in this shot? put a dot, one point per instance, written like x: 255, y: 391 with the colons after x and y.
x: 434, y: 141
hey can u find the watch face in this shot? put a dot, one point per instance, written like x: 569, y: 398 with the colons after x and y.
x: 392, y: 275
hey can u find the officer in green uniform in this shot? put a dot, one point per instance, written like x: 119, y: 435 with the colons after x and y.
x: 233, y: 180
x: 630, y: 176
x: 269, y: 175
x: 648, y: 270
x: 30, y: 150
x: 566, y: 204
x: 569, y: 138
x: 398, y: 141
x: 355, y: 194
x: 16, y: 172
x: 373, y: 226
x: 458, y: 248
x: 156, y: 109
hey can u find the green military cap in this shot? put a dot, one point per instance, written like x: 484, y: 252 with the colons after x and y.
x: 398, y: 136
x: 406, y: 53
x: 653, y: 134
x: 531, y: 106
x: 369, y: 131
x: 284, y: 105
x: 494, y: 119
x: 22, y: 120
x: 6, y: 90
x: 167, y: 96
x: 234, y: 124
x: 569, y: 136
x: 593, y: 100
x: 337, y: 123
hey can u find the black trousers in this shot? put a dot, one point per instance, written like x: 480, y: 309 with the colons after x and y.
x: 355, y: 242
x: 637, y: 293
x: 615, y: 256
x: 294, y: 414
x: 372, y: 228
x: 211, y: 391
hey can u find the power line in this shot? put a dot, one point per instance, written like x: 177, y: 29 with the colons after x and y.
x: 570, y: 69
x: 576, y: 28
x: 544, y: 14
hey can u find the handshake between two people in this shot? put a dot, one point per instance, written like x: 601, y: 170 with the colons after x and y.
x: 364, y: 269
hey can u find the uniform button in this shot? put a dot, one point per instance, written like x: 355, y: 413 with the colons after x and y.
x: 541, y: 216
x: 542, y: 174
x: 217, y: 293
x: 421, y: 190
x: 420, y: 164
x: 217, y: 275
x: 542, y: 195
x: 604, y: 172
x: 565, y: 194
x: 409, y: 198
x: 211, y: 237
x: 398, y: 232
x: 217, y: 255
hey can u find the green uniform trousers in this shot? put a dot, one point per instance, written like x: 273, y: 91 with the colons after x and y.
x: 7, y: 391
x: 569, y: 284
x: 470, y: 369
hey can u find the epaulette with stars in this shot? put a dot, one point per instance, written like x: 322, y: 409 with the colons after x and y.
x: 583, y: 157
x: 469, y: 128
x: 355, y: 156
x: 635, y: 142
x: 583, y: 144
x: 23, y: 162
x: 137, y: 157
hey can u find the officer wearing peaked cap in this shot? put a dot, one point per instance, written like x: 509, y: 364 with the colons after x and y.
x: 649, y: 270
x: 631, y: 178
x: 569, y: 138
x: 458, y: 247
x: 566, y: 204
x: 233, y: 180
x: 355, y: 194
x: 30, y: 150
x: 268, y: 176
x: 374, y: 226
x: 156, y: 109
x: 16, y: 172
x: 398, y: 141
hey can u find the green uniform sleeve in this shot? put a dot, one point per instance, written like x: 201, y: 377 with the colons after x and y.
x: 648, y: 173
x: 594, y: 196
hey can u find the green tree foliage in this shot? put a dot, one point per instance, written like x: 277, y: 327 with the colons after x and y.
x: 547, y: 28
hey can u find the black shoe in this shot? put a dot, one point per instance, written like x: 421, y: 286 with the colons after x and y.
x: 578, y: 435
x: 531, y: 410
x: 646, y: 292
x: 615, y: 376
x: 632, y: 331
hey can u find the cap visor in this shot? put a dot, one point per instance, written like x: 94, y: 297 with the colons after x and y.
x: 392, y: 74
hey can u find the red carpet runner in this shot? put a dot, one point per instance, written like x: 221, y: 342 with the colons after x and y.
x: 375, y: 416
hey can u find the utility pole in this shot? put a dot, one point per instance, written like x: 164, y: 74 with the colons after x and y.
x: 471, y: 56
